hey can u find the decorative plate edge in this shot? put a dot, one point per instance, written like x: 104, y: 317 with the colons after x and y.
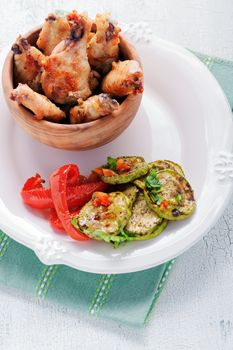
x: 223, y: 166
x: 49, y: 250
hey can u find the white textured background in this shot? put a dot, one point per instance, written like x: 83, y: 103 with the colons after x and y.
x: 195, y: 310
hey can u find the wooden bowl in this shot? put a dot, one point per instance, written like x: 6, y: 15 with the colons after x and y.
x: 72, y: 136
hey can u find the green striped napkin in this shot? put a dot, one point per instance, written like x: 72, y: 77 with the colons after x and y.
x: 127, y: 298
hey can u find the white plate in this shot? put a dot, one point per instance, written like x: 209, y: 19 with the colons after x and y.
x: 184, y: 117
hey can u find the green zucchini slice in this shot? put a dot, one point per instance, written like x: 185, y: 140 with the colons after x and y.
x: 143, y: 222
x: 159, y: 165
x: 140, y: 183
x: 130, y: 191
x: 174, y: 191
x: 110, y: 220
x: 138, y: 168
x: 157, y: 231
x: 166, y: 164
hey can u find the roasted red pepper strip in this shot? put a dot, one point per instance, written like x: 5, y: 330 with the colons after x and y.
x: 35, y: 195
x: 55, y: 222
x: 77, y: 196
x: 73, y: 173
x: 81, y: 180
x: 83, y: 193
x: 93, y: 177
x: 38, y: 198
x: 58, y: 184
x: 33, y: 183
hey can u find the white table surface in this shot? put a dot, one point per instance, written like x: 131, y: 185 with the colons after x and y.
x: 195, y: 310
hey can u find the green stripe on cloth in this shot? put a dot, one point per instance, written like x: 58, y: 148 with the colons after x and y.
x: 144, y: 285
x: 4, y: 243
x: 223, y: 72
x: 128, y: 298
x: 45, y: 281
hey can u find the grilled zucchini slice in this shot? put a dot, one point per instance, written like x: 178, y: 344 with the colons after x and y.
x: 159, y: 165
x: 102, y: 223
x: 144, y: 223
x: 157, y: 231
x: 130, y: 191
x: 140, y: 183
x: 166, y: 164
x: 174, y: 199
x: 137, y: 168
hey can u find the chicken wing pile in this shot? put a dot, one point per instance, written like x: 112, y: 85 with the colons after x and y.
x: 73, y: 74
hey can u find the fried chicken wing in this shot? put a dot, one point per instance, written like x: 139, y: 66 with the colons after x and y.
x: 54, y: 30
x: 125, y: 78
x: 66, y: 73
x: 93, y: 108
x: 27, y: 63
x: 39, y: 104
x: 103, y: 46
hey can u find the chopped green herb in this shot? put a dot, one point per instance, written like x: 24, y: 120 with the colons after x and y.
x: 154, y: 187
x: 112, y: 163
x: 159, y: 199
x: 152, y: 181
x: 156, y: 198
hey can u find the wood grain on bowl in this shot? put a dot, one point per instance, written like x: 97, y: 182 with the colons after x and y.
x: 77, y: 136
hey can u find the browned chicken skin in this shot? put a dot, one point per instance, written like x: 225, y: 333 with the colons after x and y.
x: 39, y: 104
x: 66, y: 73
x: 27, y: 63
x: 125, y: 78
x: 103, y: 46
x: 93, y: 108
x: 54, y: 30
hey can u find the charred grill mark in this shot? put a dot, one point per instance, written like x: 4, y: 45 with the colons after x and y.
x: 108, y: 101
x: 138, y: 87
x: 110, y: 31
x: 37, y: 65
x: 135, y: 84
x: 191, y: 196
x: 189, y: 191
x: 114, y: 103
x: 15, y: 48
x: 24, y: 43
x: 97, y: 216
x: 20, y: 45
x: 51, y: 18
x: 77, y: 32
x: 176, y: 212
x: 104, y: 96
x: 13, y: 96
